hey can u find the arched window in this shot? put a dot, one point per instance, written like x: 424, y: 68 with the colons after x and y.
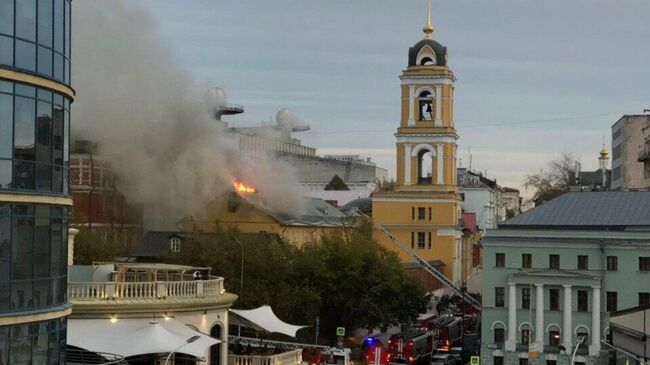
x: 526, y: 332
x: 427, y: 61
x: 499, y: 331
x: 215, y: 350
x: 426, y: 105
x: 554, y: 337
x: 425, y: 166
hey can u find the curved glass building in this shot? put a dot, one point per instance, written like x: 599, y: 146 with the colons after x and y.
x: 35, y: 98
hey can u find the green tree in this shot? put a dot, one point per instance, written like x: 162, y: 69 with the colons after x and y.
x: 91, y: 246
x: 336, y: 184
x: 553, y: 181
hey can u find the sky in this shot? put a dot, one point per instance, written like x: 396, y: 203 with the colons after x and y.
x: 534, y: 78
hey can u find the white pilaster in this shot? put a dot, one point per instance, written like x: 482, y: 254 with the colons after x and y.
x: 511, y: 342
x: 411, y: 121
x: 539, y: 315
x: 440, y: 154
x: 594, y: 349
x: 407, y: 164
x: 567, y: 318
x: 438, y: 118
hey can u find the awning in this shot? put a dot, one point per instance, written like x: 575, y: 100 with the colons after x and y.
x: 136, y: 336
x: 263, y: 318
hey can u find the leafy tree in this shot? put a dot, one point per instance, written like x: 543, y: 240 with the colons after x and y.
x: 336, y: 184
x: 385, y: 185
x: 344, y: 277
x: 554, y: 181
x: 90, y: 246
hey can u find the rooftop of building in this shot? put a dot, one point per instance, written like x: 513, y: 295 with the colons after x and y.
x: 607, y: 210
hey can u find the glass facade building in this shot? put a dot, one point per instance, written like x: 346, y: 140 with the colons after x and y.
x: 35, y: 98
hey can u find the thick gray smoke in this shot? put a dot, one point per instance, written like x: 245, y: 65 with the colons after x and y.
x: 150, y: 122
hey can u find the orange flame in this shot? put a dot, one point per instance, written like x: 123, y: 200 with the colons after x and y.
x: 243, y: 188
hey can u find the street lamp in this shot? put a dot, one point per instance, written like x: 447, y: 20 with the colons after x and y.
x: 241, y: 278
x: 188, y: 341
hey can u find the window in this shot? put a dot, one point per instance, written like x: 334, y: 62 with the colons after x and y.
x: 425, y: 106
x: 583, y: 262
x: 525, y: 298
x: 425, y: 167
x: 499, y: 334
x: 554, y: 337
x: 175, y: 244
x: 583, y: 301
x: 497, y: 360
x: 422, y: 213
x: 551, y: 362
x: 420, y: 239
x: 554, y: 299
x: 412, y: 212
x: 554, y: 261
x: 429, y: 243
x: 612, y: 263
x: 644, y: 263
x: 644, y: 298
x: 525, y: 335
x: 412, y: 239
x: 612, y: 301
x: 526, y: 260
x: 523, y: 361
x: 585, y: 339
x: 499, y: 297
x: 429, y: 213
x: 500, y: 260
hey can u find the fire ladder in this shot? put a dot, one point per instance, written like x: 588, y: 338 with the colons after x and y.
x: 258, y: 342
x: 423, y: 263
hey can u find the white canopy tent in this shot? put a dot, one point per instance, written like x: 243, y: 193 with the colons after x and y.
x: 263, y: 318
x: 137, y: 336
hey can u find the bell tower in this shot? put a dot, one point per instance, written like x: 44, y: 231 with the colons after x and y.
x: 423, y: 210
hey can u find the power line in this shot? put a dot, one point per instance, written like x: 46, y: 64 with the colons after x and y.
x: 463, y: 126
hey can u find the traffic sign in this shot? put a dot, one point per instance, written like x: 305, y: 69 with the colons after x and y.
x: 340, y: 331
x: 475, y: 360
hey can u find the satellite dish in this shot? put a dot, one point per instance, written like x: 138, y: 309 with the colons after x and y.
x: 215, y: 98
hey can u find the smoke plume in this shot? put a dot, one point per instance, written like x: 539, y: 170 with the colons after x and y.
x: 150, y: 122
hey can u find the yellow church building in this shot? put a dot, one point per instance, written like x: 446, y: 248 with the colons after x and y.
x: 424, y: 209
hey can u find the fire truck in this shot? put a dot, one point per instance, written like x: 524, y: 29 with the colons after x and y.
x: 413, y: 347
x: 374, y: 349
x: 448, y: 330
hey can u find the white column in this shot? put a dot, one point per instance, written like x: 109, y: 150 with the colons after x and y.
x: 407, y: 164
x: 511, y: 343
x: 438, y: 117
x: 458, y: 261
x: 71, y: 233
x: 567, y: 319
x: 539, y: 315
x: 594, y: 349
x: 411, y: 120
x: 440, y: 154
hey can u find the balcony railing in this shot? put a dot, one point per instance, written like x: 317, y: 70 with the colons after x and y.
x: 293, y: 357
x: 111, y: 290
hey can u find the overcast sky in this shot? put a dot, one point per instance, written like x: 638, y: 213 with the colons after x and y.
x: 534, y: 77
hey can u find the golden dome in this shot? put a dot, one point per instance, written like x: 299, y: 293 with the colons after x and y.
x: 603, y: 152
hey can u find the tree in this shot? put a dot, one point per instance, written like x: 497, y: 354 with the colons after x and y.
x: 344, y: 277
x: 556, y: 180
x: 91, y: 246
x: 336, y: 184
x: 385, y: 185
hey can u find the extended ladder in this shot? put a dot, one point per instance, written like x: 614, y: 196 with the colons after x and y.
x: 423, y: 263
x: 284, y: 344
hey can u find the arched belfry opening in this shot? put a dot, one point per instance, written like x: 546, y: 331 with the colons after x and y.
x: 427, y: 61
x: 425, y: 99
x: 425, y: 166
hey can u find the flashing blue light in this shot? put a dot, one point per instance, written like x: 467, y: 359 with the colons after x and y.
x: 370, y: 340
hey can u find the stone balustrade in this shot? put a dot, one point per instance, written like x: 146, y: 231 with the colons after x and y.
x: 110, y: 290
x: 293, y: 357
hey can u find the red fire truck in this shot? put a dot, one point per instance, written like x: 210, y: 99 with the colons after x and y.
x: 413, y: 347
x: 448, y: 330
x: 373, y: 347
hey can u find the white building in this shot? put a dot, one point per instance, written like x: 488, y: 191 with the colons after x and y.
x: 482, y: 196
